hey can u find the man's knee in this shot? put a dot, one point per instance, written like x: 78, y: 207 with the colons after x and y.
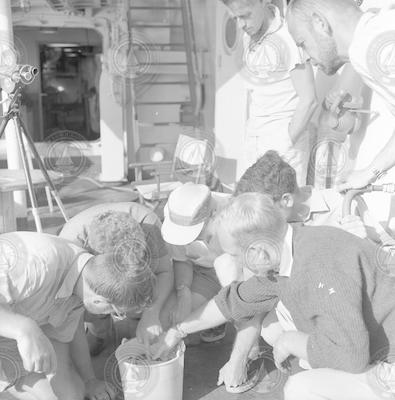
x: 77, y: 394
x: 297, y: 387
x: 72, y: 388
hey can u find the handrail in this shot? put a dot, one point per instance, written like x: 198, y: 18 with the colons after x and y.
x: 194, y: 76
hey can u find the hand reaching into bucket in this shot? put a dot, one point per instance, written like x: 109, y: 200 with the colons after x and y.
x: 166, y: 343
x: 149, y: 327
x: 99, y: 390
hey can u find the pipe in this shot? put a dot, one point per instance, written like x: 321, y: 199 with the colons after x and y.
x: 385, y: 238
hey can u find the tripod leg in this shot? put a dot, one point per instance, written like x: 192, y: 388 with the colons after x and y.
x: 49, y: 199
x: 29, y: 182
x: 43, y: 169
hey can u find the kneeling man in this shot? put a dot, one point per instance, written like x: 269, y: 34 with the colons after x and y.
x: 333, y: 300
x: 46, y: 282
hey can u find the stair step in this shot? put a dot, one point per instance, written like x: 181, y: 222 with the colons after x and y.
x: 167, y: 69
x: 160, y: 113
x: 159, y: 35
x: 155, y: 8
x: 166, y: 83
x: 156, y: 94
x: 155, y: 103
x: 164, y: 79
x: 158, y: 26
x: 169, y: 63
x: 152, y: 134
x: 160, y: 56
x: 155, y: 3
x: 155, y: 45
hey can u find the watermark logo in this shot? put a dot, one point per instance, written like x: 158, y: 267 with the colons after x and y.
x: 8, y: 253
x: 266, y: 61
x: 131, y: 369
x: 380, y: 58
x: 10, y: 369
x: 385, y: 259
x: 133, y: 59
x: 8, y: 57
x: 381, y: 377
x: 65, y: 153
x: 328, y: 159
x: 269, y: 380
x: 12, y: 56
x: 263, y: 256
x: 128, y: 370
x: 136, y: 254
x: 195, y: 157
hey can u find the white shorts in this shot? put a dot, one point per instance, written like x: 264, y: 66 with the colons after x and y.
x: 275, y: 136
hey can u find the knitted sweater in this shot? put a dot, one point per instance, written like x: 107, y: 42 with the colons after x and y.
x: 337, y: 294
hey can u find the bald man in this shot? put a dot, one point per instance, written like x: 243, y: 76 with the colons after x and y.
x: 336, y: 32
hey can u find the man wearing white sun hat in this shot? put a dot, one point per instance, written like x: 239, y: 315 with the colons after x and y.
x: 199, y: 272
x: 201, y: 268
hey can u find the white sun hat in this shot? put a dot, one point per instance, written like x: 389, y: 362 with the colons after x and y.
x: 186, y: 211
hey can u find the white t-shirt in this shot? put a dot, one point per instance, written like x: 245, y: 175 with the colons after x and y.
x: 372, y: 4
x: 372, y: 53
x: 267, y: 67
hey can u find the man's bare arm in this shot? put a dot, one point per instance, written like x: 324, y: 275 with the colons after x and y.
x: 37, y: 352
x: 303, y: 80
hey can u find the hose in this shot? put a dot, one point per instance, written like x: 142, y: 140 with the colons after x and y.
x: 384, y: 236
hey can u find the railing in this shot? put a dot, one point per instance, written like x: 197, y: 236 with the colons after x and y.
x: 194, y: 76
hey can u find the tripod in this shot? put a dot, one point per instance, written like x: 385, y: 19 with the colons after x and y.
x: 13, y: 113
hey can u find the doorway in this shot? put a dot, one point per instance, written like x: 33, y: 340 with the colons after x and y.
x: 70, y: 96
x: 65, y: 94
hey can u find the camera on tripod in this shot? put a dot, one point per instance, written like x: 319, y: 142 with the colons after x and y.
x: 18, y: 74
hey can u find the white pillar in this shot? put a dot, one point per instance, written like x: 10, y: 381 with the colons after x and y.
x: 112, y: 132
x: 230, y: 116
x: 117, y: 127
x: 13, y: 156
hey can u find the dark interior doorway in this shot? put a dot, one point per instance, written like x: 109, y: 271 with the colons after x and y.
x: 69, y: 87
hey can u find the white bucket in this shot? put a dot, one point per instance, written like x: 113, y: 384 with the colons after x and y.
x: 142, y: 379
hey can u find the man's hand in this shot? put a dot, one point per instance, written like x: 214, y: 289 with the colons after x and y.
x: 149, y: 327
x: 99, y: 390
x: 184, y: 305
x: 356, y: 180
x: 37, y: 352
x: 281, y: 353
x: 354, y: 224
x: 334, y: 100
x: 167, y: 342
x: 233, y: 374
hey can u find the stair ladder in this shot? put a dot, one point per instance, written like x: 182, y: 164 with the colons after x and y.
x: 168, y: 94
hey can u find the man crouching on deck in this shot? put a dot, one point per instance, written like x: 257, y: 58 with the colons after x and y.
x: 45, y: 283
x: 335, y: 304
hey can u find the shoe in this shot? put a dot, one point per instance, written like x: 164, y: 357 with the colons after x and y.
x: 96, y: 344
x: 254, y: 374
x: 214, y: 334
